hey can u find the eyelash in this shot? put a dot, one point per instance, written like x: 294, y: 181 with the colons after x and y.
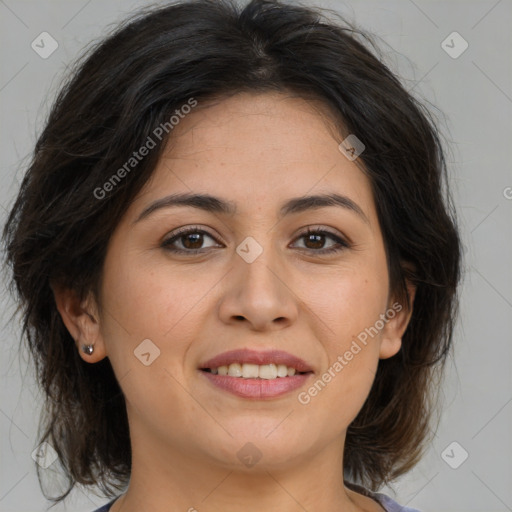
x: 342, y: 244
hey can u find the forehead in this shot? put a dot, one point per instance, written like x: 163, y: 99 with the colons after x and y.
x: 258, y: 150
x: 250, y: 126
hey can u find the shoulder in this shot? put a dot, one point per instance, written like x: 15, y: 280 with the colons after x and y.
x: 391, y: 505
x: 106, y: 507
x: 387, y: 503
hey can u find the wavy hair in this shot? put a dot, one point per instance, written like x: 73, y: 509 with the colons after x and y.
x: 129, y: 83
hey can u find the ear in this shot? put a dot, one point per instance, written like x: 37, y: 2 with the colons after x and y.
x: 398, y: 316
x: 82, y: 321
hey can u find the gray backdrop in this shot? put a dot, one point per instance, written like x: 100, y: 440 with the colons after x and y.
x: 473, y: 88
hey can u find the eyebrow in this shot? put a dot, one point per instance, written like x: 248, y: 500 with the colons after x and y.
x: 214, y: 204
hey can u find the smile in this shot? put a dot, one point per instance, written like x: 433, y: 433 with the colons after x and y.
x: 254, y: 371
x: 254, y: 374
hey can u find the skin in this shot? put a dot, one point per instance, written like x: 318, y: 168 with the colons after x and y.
x: 257, y: 150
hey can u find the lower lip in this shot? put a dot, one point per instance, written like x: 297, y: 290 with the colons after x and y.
x: 257, y: 388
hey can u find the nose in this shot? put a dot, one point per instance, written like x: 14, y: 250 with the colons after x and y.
x: 259, y: 294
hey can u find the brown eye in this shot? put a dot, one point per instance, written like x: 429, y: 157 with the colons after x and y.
x: 191, y: 241
x: 315, y: 240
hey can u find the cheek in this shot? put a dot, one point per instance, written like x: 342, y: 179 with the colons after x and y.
x: 350, y: 307
x: 141, y: 305
x: 148, y: 329
x: 152, y: 300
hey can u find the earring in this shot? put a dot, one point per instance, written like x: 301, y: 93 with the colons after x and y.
x: 88, y: 349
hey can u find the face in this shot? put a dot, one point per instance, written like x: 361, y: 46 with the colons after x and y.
x: 248, y: 279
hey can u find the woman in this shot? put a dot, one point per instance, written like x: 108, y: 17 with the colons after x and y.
x: 237, y: 266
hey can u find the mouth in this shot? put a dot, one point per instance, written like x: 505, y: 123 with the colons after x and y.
x: 256, y: 375
x: 254, y: 371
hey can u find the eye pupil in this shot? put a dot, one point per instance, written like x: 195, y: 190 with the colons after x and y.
x: 192, y: 240
x: 198, y: 238
x: 319, y: 241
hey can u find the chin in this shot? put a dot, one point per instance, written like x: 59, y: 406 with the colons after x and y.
x: 262, y: 448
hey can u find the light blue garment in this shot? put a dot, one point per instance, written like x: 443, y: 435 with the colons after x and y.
x: 391, y: 505
x: 106, y: 507
x: 385, y: 501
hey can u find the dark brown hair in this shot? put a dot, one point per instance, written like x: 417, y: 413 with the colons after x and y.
x: 126, y: 86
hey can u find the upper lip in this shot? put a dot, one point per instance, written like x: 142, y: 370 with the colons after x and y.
x: 257, y: 357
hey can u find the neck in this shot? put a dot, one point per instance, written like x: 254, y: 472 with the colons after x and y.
x: 173, y: 481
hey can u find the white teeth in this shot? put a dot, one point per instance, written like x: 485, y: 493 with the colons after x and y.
x: 249, y: 371
x: 282, y: 370
x: 268, y: 371
x: 254, y: 371
x: 235, y: 370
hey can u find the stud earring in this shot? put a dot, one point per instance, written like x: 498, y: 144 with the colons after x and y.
x: 88, y: 349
